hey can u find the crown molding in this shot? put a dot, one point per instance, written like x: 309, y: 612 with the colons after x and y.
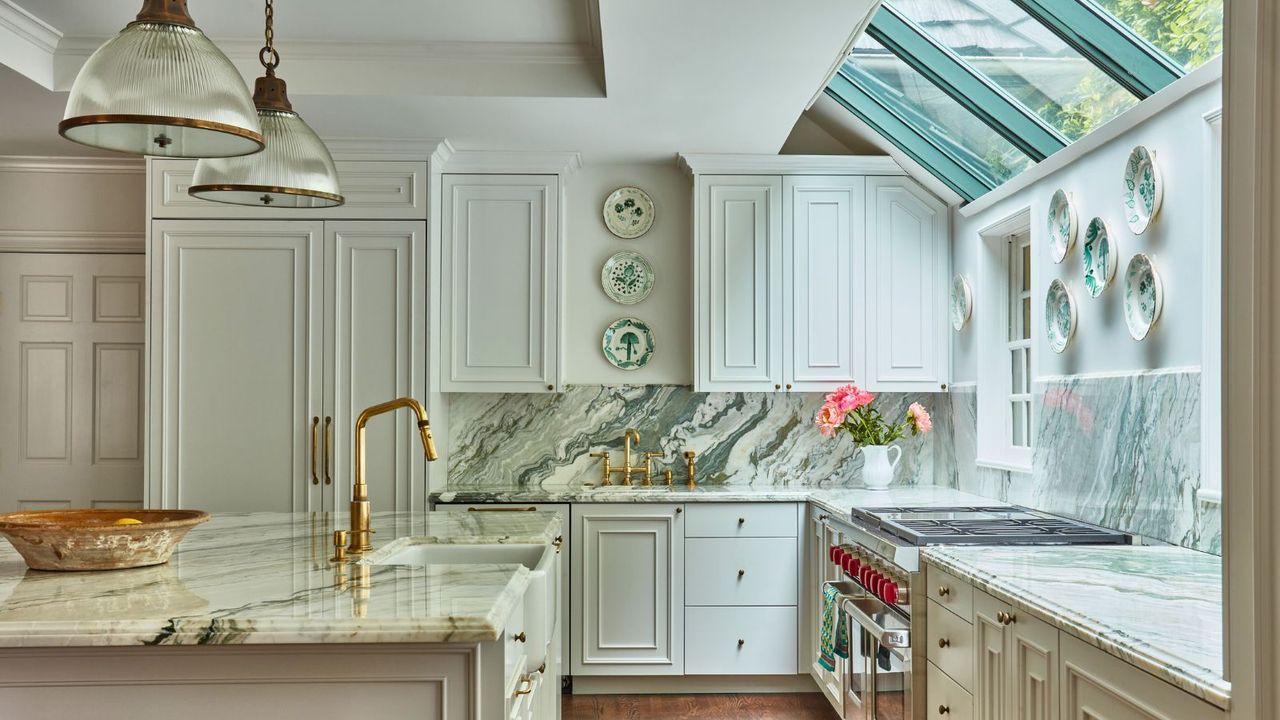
x: 72, y: 241
x: 737, y: 164
x: 72, y: 165
x: 503, y: 162
x: 43, y: 36
x: 27, y: 43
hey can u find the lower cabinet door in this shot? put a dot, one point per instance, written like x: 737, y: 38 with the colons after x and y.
x: 990, y: 659
x: 1033, y: 662
x: 628, y: 589
x: 1098, y: 686
x: 740, y: 641
x: 945, y: 698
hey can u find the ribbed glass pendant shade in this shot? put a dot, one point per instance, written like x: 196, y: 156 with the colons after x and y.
x: 162, y: 88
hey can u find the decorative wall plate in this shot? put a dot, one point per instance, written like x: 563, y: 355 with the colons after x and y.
x: 627, y: 277
x: 1143, y: 296
x: 1143, y: 189
x: 628, y: 343
x: 1099, y: 257
x: 1062, y: 225
x: 628, y: 212
x: 1059, y: 316
x: 961, y: 302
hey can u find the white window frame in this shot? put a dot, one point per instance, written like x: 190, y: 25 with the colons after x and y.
x: 1015, y: 296
x: 1211, y: 332
x: 995, y: 396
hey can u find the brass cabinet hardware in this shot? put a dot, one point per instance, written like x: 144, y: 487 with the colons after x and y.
x: 526, y: 685
x: 520, y: 638
x: 360, y: 507
x: 944, y: 643
x: 558, y: 542
x: 605, y: 470
x: 788, y: 387
x: 691, y: 466
x: 1005, y: 618
x: 315, y: 437
x: 741, y: 573
x: 944, y: 591
x: 542, y: 668
x: 742, y: 521
x: 551, y: 388
x: 679, y: 510
x: 503, y: 509
x: 339, y: 546
x: 777, y: 387
x: 824, y: 517
x: 1000, y: 616
x: 328, y: 448
x: 943, y: 709
x: 741, y: 642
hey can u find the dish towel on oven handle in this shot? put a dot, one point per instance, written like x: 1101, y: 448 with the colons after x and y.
x: 834, y: 639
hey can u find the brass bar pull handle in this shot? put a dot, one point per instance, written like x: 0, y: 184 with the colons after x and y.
x: 503, y: 509
x: 526, y: 685
x: 328, y: 449
x: 315, y: 424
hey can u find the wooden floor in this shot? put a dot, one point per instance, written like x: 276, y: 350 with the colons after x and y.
x: 807, y: 706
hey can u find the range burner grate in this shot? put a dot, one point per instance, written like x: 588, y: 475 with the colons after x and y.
x: 986, y: 525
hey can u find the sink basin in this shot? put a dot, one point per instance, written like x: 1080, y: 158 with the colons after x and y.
x: 427, y: 553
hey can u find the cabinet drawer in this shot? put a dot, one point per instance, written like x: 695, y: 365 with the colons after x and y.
x: 514, y: 650
x: 943, y: 692
x: 950, y: 592
x: 740, y: 520
x: 950, y: 644
x: 740, y: 641
x: 740, y: 571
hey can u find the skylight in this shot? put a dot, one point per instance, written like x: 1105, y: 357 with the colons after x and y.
x: 977, y: 91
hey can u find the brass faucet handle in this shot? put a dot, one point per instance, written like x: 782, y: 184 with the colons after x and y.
x: 691, y: 465
x: 649, y: 457
x: 667, y: 475
x: 605, y: 470
x: 339, y: 546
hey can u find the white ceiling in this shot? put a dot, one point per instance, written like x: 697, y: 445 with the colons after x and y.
x: 613, y: 80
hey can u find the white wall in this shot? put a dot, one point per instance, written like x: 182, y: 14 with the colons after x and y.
x: 1180, y: 136
x: 79, y: 196
x: 669, y: 248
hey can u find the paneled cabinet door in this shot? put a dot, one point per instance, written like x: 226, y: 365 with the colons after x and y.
x: 375, y: 350
x: 991, y: 658
x: 500, y: 278
x: 235, y: 364
x: 907, y: 283
x: 1098, y: 686
x: 628, y: 589
x: 738, y: 322
x: 1033, y: 669
x: 824, y: 261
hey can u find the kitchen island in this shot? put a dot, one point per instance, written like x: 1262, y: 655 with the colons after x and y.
x: 251, y: 616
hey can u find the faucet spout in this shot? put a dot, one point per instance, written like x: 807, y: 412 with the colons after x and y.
x: 360, y: 508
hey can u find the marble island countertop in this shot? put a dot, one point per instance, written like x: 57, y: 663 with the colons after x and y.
x: 266, y: 578
x: 1159, y: 608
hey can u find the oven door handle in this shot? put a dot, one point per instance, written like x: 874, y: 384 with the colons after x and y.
x: 863, y: 609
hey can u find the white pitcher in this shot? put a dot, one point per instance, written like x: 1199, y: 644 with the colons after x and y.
x: 877, y: 468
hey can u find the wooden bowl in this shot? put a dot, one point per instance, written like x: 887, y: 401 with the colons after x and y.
x: 91, y: 539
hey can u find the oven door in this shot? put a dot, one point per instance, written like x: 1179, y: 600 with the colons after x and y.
x: 878, y: 674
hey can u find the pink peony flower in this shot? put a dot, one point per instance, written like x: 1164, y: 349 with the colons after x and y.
x: 829, y: 419
x: 920, y: 419
x: 850, y: 397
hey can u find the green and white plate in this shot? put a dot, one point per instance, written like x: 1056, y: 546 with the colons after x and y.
x: 628, y: 212
x: 1059, y: 316
x: 1099, y: 257
x: 628, y: 343
x: 1143, y: 189
x: 1143, y: 296
x: 627, y: 277
x: 961, y: 302
x: 1062, y: 225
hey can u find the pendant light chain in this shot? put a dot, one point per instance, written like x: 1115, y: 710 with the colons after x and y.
x: 268, y: 56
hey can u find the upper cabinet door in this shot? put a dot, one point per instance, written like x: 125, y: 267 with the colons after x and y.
x: 375, y: 350
x: 373, y: 190
x: 824, y: 258
x: 500, y: 283
x: 236, y: 365
x: 738, y: 266
x: 906, y: 287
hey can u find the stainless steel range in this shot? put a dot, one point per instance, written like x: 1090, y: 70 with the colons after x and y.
x: 873, y: 559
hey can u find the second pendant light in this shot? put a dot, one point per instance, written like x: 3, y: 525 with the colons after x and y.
x: 295, y: 168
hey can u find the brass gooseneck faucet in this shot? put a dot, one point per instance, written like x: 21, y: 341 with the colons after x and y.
x: 360, y: 511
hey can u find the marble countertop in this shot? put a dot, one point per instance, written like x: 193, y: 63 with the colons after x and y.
x: 1159, y: 608
x: 266, y: 578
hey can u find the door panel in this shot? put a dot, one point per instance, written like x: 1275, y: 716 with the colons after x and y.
x: 71, y: 380
x: 989, y: 662
x: 1034, y: 669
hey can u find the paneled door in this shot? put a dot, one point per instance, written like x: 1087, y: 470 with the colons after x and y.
x: 825, y: 302
x: 236, y: 365
x: 907, y: 266
x: 375, y: 350
x: 990, y: 662
x: 628, y: 601
x: 71, y: 380
x: 501, y: 276
x: 739, y: 333
x: 1033, y: 664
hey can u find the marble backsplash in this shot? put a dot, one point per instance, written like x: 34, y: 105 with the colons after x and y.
x: 1121, y: 451
x: 521, y: 441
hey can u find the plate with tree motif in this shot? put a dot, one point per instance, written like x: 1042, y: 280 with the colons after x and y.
x: 628, y: 343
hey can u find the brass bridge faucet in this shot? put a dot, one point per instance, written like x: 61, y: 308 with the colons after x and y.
x: 360, y: 491
x: 607, y: 471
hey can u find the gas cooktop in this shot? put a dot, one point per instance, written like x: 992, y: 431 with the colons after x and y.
x: 1007, y: 525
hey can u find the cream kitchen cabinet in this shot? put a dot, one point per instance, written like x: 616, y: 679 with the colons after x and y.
x: 266, y: 339
x: 1099, y: 686
x: 1015, y: 663
x: 809, y: 281
x: 500, y: 283
x: 627, y: 589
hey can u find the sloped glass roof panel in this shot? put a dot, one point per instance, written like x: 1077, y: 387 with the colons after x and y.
x: 932, y: 113
x: 1033, y: 65
x: 1188, y: 31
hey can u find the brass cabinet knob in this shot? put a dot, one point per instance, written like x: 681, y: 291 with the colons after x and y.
x: 551, y: 388
x: 1000, y: 616
x: 777, y: 387
x: 742, y: 521
x: 1010, y: 618
x: 944, y: 591
x: 679, y: 510
x: 788, y: 386
x: 741, y: 573
x: 943, y: 709
x: 741, y: 642
x: 520, y: 638
x: 558, y: 542
x: 944, y: 643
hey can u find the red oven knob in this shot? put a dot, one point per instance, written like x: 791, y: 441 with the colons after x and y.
x: 890, y: 592
x: 854, y: 567
x: 835, y: 553
x: 877, y: 583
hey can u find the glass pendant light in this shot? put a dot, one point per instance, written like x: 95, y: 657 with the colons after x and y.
x: 161, y: 87
x: 294, y: 170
